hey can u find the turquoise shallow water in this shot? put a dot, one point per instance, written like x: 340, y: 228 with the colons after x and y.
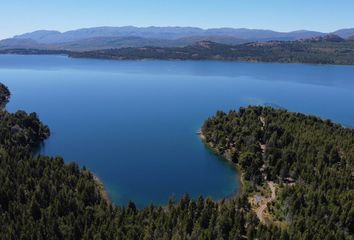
x: 134, y: 123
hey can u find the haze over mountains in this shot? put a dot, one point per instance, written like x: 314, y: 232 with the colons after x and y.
x: 129, y: 36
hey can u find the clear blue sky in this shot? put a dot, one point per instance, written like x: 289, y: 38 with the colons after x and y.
x: 19, y: 16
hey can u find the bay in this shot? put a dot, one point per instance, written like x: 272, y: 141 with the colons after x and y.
x: 134, y: 123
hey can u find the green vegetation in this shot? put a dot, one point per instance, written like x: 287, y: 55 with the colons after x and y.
x: 312, y: 161
x: 4, y: 95
x: 330, y: 50
x: 44, y: 198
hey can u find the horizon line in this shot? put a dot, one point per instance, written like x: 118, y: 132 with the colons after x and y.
x: 175, y: 26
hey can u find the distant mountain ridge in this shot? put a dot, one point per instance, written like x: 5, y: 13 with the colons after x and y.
x: 345, y: 33
x: 170, y: 33
x: 130, y: 36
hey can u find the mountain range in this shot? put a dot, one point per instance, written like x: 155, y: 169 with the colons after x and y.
x: 129, y: 36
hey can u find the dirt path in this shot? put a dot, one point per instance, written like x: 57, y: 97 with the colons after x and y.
x: 264, y: 203
x: 260, y: 210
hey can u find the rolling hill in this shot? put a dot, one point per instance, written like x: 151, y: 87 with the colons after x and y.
x: 120, y: 37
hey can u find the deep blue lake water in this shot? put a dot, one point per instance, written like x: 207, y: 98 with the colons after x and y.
x: 134, y: 123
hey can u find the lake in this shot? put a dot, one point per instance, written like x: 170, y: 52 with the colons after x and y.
x: 134, y: 123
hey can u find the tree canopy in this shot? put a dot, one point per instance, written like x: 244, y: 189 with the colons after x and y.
x: 315, y: 155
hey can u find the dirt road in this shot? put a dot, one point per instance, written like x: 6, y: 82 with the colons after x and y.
x: 260, y: 210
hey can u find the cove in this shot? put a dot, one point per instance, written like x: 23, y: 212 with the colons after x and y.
x: 134, y: 123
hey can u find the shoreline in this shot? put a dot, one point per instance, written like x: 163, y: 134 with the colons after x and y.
x: 239, y: 176
x: 258, y: 210
x: 177, y: 59
x: 101, y: 188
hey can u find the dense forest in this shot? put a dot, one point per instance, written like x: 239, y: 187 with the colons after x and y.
x: 310, y: 160
x: 45, y: 198
x: 324, y: 50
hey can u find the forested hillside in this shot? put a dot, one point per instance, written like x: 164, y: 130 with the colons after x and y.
x: 310, y: 160
x: 323, y: 50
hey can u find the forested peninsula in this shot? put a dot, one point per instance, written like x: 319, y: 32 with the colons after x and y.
x: 330, y: 49
x: 322, y: 50
x: 308, y: 161
x: 300, y: 167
